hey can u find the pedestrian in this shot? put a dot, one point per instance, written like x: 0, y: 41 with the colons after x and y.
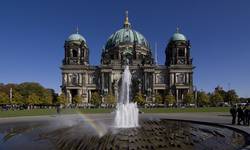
x: 246, y: 115
x: 233, y: 112
x: 240, y: 115
x: 58, y: 109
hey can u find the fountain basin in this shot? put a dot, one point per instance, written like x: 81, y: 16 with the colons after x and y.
x: 77, y: 133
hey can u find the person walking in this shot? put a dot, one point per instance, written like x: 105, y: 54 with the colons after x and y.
x: 233, y: 112
x: 245, y: 109
x: 58, y: 109
x: 240, y: 115
x: 248, y: 116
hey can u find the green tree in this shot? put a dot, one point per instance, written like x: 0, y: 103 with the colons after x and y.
x: 46, y: 97
x: 77, y: 99
x: 158, y: 98
x: 169, y: 99
x: 4, y: 98
x: 188, y: 98
x: 215, y: 98
x: 61, y: 99
x: 222, y: 92
x: 96, y: 99
x: 28, y: 88
x: 110, y: 99
x: 17, y: 98
x: 202, y: 98
x: 139, y: 99
x: 32, y: 99
x: 231, y: 96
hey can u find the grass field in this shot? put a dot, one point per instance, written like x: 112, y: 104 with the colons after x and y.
x: 40, y: 112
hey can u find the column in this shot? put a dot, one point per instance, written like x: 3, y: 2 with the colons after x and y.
x: 187, y: 78
x: 153, y: 82
x: 90, y: 95
x: 145, y: 81
x: 102, y: 81
x: 110, y: 83
x: 177, y: 97
x: 63, y: 79
x: 69, y: 97
x: 86, y: 78
x: 67, y: 79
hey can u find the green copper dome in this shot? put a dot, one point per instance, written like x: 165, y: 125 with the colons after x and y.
x: 126, y: 35
x: 178, y: 36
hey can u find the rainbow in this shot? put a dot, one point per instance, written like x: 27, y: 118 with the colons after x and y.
x: 100, y: 129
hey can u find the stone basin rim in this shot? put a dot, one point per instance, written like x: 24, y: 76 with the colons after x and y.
x: 247, y: 135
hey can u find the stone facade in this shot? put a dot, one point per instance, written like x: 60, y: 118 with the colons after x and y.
x: 127, y: 46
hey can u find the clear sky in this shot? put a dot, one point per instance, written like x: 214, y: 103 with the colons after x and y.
x: 32, y: 35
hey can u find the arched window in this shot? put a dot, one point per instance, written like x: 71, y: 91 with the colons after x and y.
x: 74, y: 53
x: 181, y: 52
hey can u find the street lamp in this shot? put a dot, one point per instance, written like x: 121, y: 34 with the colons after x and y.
x: 195, y: 96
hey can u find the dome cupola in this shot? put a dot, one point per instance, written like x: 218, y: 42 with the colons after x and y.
x: 177, y: 36
x: 76, y: 37
x: 76, y: 50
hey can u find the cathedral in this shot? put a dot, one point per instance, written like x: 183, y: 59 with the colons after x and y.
x: 127, y: 46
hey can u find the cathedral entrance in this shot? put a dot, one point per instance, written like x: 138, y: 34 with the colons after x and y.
x: 180, y: 93
x: 73, y: 92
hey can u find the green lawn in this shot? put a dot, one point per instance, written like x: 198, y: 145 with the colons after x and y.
x: 39, y: 112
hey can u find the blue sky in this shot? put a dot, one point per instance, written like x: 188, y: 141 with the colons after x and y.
x: 32, y: 35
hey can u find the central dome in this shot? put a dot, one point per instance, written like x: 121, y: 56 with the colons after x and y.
x: 126, y: 36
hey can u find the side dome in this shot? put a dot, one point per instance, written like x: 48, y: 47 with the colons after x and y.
x: 126, y: 36
x: 76, y: 37
x: 177, y: 36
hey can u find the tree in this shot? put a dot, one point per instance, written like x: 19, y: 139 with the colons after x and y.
x: 139, y: 99
x: 77, y: 99
x: 188, y: 98
x: 46, y: 97
x: 202, y: 98
x: 4, y: 98
x: 21, y: 93
x: 61, y: 99
x: 32, y: 99
x: 231, y: 96
x: 169, y: 99
x: 96, y: 99
x: 158, y: 98
x: 17, y: 98
x: 222, y: 92
x: 215, y: 98
x: 110, y: 99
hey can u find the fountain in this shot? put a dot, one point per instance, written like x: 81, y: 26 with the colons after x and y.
x: 126, y: 112
x: 95, y: 131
